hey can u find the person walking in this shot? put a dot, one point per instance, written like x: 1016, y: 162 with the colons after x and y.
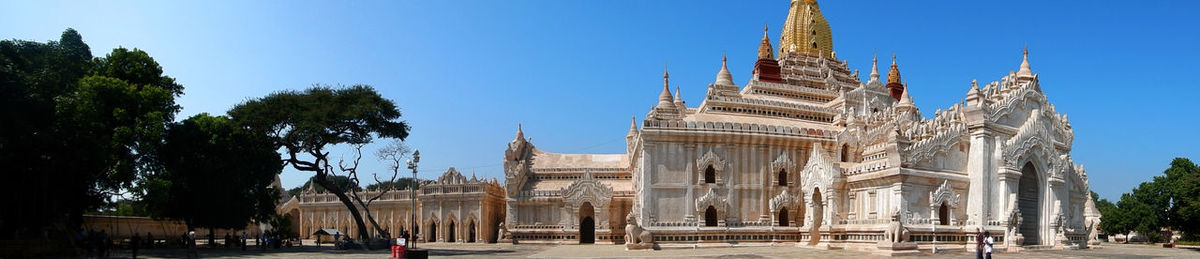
x: 134, y: 242
x: 978, y: 243
x: 987, y: 241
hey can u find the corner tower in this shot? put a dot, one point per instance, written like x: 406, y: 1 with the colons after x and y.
x: 806, y: 30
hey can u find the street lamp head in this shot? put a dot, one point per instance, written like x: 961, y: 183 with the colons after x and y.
x: 416, y: 156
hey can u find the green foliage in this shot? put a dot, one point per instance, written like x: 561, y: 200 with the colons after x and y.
x: 282, y: 224
x: 305, y: 123
x: 1170, y: 200
x: 339, y: 180
x: 403, y: 183
x: 215, y: 174
x: 77, y: 130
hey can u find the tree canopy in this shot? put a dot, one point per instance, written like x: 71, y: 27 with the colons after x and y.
x: 215, y: 175
x: 77, y: 129
x: 1169, y: 200
x: 306, y: 123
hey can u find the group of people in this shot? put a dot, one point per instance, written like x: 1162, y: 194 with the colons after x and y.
x: 983, y: 244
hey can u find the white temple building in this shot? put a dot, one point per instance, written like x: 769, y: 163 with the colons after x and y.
x: 806, y: 153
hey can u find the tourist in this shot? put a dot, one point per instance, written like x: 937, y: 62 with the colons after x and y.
x: 988, y: 242
x: 191, y: 244
x: 149, y: 240
x: 243, y: 241
x: 978, y: 243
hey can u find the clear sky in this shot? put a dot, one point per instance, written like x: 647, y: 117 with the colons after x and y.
x: 465, y: 73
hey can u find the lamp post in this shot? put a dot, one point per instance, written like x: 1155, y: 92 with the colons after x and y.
x: 412, y: 196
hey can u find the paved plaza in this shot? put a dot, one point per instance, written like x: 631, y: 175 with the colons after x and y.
x: 616, y: 251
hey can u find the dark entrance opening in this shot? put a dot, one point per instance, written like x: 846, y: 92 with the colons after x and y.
x: 471, y: 232
x: 1029, y: 203
x: 710, y: 217
x: 710, y: 175
x: 450, y: 234
x: 783, y: 181
x: 432, y: 237
x: 587, y: 224
x: 944, y: 214
x: 783, y: 217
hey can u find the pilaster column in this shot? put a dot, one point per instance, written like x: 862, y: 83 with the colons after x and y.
x: 979, y: 171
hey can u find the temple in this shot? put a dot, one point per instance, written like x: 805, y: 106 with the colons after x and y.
x: 807, y: 153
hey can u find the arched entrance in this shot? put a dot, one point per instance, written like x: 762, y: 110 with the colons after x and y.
x: 818, y: 215
x: 432, y: 237
x: 450, y: 232
x: 782, y: 175
x: 710, y: 175
x: 783, y: 217
x: 587, y: 224
x: 943, y: 214
x: 710, y: 217
x: 471, y: 232
x: 1029, y: 203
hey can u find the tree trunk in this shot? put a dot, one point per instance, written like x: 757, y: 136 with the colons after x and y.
x: 341, y: 195
x: 372, y: 218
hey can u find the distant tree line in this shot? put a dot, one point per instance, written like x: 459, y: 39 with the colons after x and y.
x: 1171, y: 200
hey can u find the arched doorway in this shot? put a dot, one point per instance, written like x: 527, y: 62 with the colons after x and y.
x: 710, y: 217
x: 818, y: 215
x: 450, y: 237
x: 845, y: 152
x: 782, y: 177
x: 471, y: 232
x: 710, y: 175
x: 943, y: 214
x: 587, y: 224
x: 1029, y: 203
x: 432, y: 237
x: 783, y: 217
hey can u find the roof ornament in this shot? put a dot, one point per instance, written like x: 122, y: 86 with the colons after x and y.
x: 1025, y: 73
x: 664, y: 98
x: 678, y: 98
x: 875, y: 67
x: 765, y: 50
x: 520, y: 133
x: 723, y: 76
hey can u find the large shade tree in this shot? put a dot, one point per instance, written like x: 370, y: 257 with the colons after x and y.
x: 215, y: 175
x: 77, y: 130
x: 306, y: 124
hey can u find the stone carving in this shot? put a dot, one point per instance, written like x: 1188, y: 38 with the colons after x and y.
x: 587, y: 189
x: 710, y: 159
x: 896, y: 232
x: 944, y: 193
x: 711, y: 199
x: 636, y: 237
x: 783, y: 200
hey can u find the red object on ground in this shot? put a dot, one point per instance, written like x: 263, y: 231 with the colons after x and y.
x: 397, y: 251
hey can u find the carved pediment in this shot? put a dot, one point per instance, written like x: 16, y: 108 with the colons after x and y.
x: 821, y: 171
x: 785, y: 199
x: 711, y: 199
x: 587, y: 189
x: 945, y: 193
x: 710, y: 159
x: 1031, y: 136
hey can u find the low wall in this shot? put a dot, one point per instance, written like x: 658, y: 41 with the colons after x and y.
x: 122, y: 227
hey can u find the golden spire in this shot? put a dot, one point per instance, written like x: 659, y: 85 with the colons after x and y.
x: 765, y: 51
x: 894, y: 73
x: 806, y: 30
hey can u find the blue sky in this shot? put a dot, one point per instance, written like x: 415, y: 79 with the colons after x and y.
x: 573, y: 72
